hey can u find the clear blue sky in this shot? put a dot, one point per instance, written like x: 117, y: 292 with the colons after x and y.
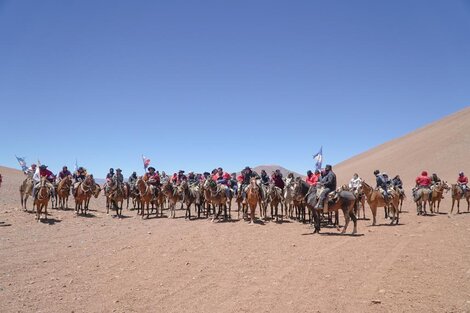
x: 198, y: 84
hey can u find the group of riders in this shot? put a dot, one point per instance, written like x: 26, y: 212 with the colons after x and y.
x: 325, y: 178
x: 38, y: 173
x: 424, y: 181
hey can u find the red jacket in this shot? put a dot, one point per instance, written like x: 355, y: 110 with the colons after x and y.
x: 312, y: 180
x: 423, y: 181
x: 462, y: 180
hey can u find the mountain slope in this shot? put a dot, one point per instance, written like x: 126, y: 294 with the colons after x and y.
x: 442, y: 147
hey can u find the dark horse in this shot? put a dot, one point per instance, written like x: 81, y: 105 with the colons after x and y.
x: 345, y: 201
x: 301, y: 189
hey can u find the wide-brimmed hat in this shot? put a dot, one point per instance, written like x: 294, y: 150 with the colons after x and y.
x: 118, y: 170
x: 43, y: 166
x: 151, y: 168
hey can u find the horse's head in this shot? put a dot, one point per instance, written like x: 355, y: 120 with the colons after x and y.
x: 96, y: 190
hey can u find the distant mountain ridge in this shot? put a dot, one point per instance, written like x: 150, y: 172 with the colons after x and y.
x: 271, y: 168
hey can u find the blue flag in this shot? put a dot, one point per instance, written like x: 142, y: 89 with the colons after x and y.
x: 318, y: 159
x: 22, y: 163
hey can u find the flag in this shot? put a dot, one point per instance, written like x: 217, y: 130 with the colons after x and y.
x: 146, y: 161
x: 75, y: 166
x: 22, y: 163
x: 318, y: 159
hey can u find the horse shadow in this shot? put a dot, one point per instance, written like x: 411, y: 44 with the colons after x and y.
x: 120, y: 217
x: 65, y: 209
x: 50, y: 221
x: 386, y: 224
x: 3, y: 224
x: 333, y: 234
x: 281, y: 221
x: 87, y: 215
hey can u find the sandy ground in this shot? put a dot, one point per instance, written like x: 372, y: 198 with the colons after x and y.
x: 104, y: 264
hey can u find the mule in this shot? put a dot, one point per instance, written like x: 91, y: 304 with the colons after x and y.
x: 26, y: 190
x: 458, y: 194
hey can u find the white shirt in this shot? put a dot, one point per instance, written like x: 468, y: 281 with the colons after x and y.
x: 355, y: 183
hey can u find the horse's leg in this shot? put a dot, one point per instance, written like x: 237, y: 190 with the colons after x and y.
x: 346, y: 219
x: 354, y: 219
x: 373, y: 209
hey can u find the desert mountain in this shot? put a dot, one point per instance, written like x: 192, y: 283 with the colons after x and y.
x: 270, y: 168
x: 442, y: 147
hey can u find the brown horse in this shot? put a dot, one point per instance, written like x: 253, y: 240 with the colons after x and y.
x: 83, y: 194
x: 26, y: 190
x: 173, y: 196
x: 216, y: 195
x: 145, y: 196
x: 253, y: 197
x: 63, y: 192
x: 375, y: 199
x: 42, y: 198
x: 275, y: 199
x: 436, y: 195
x: 190, y: 195
x: 116, y: 195
x: 457, y: 195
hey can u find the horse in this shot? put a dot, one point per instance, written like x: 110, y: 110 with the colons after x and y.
x: 288, y: 199
x: 63, y: 192
x: 375, y: 199
x: 216, y: 194
x: 401, y: 196
x: 264, y: 202
x: 422, y: 197
x: 26, y: 190
x: 360, y: 202
x: 145, y: 195
x: 436, y: 195
x: 275, y: 199
x: 300, y: 190
x: 83, y: 194
x: 42, y: 198
x: 457, y: 195
x: 173, y: 196
x: 253, y: 197
x: 241, y: 205
x: 117, y: 193
x: 190, y: 194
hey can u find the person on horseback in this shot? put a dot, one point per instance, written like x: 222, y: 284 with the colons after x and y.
x: 64, y: 173
x: 31, y: 170
x: 181, y: 177
x: 312, y: 178
x: 247, y: 174
x: 132, y: 179
x: 422, y: 181
x: 79, y: 176
x: 192, y: 179
x: 153, y: 179
x: 462, y: 181
x: 435, y: 179
x: 328, y: 182
x: 264, y: 178
x: 277, y: 179
x: 222, y: 178
x: 381, y: 184
x: 355, y: 182
x: 44, y: 172
x: 396, y: 182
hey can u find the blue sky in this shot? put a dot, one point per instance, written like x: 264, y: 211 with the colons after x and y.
x: 199, y: 84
